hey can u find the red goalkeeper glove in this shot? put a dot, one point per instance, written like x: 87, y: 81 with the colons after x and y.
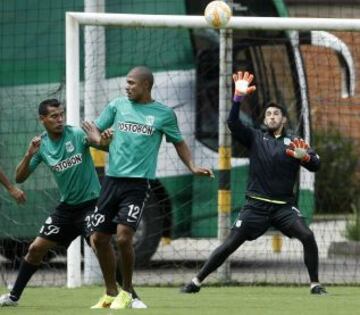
x: 299, y: 150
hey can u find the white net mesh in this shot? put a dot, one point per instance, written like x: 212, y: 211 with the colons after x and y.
x: 186, y: 68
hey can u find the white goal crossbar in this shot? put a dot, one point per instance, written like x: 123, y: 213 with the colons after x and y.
x: 236, y: 22
x: 75, y: 19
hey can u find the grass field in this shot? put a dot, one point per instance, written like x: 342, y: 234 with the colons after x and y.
x: 210, y: 301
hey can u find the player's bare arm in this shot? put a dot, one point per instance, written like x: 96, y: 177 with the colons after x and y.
x: 106, y: 137
x: 95, y: 138
x: 22, y: 170
x: 14, y: 192
x: 184, y: 153
x: 93, y: 134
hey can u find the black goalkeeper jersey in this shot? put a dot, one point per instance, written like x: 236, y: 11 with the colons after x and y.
x: 272, y: 173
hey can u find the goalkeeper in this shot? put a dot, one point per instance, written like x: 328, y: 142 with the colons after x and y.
x: 275, y: 160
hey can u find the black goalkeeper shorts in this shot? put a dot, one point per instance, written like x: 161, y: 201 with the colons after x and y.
x: 258, y: 216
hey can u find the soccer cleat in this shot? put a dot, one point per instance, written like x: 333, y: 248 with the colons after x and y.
x: 122, y: 300
x: 5, y: 300
x: 318, y: 290
x: 137, y: 303
x: 191, y: 287
x: 104, y: 302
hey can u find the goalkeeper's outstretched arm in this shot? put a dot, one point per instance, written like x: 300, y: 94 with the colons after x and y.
x: 243, y: 133
x: 313, y: 164
x: 301, y: 150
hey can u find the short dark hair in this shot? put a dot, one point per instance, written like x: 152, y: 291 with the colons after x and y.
x: 43, y: 107
x: 276, y: 105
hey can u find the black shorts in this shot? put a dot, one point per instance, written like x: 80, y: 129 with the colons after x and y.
x: 121, y: 201
x: 257, y: 216
x: 68, y: 222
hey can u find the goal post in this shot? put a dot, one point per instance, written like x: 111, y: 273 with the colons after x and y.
x: 75, y: 19
x: 236, y: 22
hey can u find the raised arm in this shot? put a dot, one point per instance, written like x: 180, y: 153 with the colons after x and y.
x: 301, y: 150
x: 313, y: 164
x: 184, y: 153
x: 14, y: 192
x: 243, y: 133
x: 23, y: 168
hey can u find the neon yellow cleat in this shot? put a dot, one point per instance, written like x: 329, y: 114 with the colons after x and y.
x: 123, y: 300
x: 104, y: 302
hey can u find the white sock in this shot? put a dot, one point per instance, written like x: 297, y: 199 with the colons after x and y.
x: 196, y: 282
x: 314, y: 284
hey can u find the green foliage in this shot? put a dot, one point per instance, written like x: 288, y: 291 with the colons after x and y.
x: 336, y: 185
x: 352, y: 231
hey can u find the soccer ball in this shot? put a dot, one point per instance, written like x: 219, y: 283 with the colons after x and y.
x: 217, y: 14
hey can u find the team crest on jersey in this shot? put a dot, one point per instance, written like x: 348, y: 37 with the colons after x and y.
x: 69, y: 147
x: 149, y: 120
x: 287, y: 141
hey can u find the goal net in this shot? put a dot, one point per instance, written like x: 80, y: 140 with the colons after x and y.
x: 309, y: 66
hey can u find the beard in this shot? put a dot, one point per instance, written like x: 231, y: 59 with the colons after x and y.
x: 274, y: 128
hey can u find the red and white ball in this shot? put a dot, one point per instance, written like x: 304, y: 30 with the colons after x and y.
x: 217, y: 14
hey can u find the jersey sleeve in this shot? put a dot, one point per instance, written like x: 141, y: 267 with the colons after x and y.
x: 35, y: 161
x: 107, y: 116
x: 313, y: 165
x: 171, y: 129
x: 240, y: 131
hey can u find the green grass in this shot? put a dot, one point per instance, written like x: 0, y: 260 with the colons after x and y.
x: 212, y: 300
